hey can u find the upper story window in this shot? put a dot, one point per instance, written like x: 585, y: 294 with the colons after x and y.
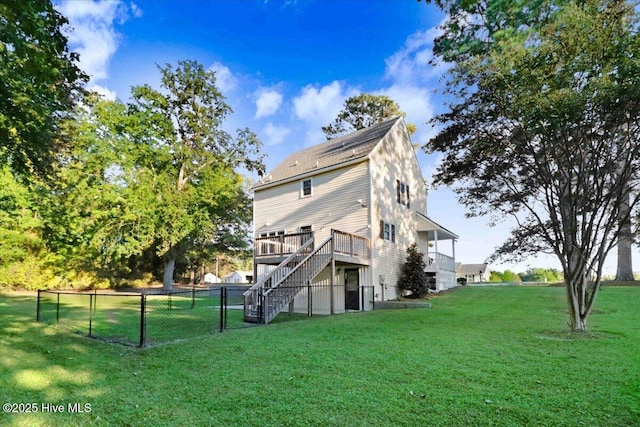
x: 402, y: 193
x: 273, y: 233
x: 388, y: 231
x: 306, y: 188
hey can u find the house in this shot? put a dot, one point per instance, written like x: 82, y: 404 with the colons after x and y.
x: 473, y: 273
x: 332, y: 223
x: 239, y: 276
x: 211, y: 278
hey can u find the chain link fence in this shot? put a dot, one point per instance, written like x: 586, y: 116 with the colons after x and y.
x: 146, y: 318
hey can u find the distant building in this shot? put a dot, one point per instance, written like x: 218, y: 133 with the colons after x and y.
x: 239, y: 276
x: 211, y: 278
x: 473, y: 273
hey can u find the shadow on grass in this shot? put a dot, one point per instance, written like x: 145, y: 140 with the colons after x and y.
x: 578, y: 335
x: 44, y: 364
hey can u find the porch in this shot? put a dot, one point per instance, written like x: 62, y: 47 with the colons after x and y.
x: 432, y: 242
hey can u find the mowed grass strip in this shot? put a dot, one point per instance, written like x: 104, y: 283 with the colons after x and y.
x: 481, y: 356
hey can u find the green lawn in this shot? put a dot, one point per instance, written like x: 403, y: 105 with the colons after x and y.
x: 481, y: 356
x: 116, y: 317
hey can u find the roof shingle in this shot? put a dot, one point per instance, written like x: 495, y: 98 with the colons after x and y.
x: 329, y: 154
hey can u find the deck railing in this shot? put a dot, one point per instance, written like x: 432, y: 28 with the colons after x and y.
x: 279, y: 296
x: 253, y: 296
x: 351, y: 244
x: 279, y: 246
x: 436, y: 260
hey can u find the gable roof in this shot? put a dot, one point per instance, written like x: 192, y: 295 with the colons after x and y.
x: 471, y: 268
x: 330, y: 154
x: 242, y: 273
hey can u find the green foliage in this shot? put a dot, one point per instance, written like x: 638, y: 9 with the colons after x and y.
x: 39, y: 84
x: 363, y: 111
x: 510, y: 276
x: 543, y: 126
x: 496, y: 276
x: 534, y: 274
x: 545, y: 275
x: 412, y: 276
x: 158, y: 173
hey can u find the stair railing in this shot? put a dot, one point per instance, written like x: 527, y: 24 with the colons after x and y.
x: 254, y: 295
x: 295, y: 280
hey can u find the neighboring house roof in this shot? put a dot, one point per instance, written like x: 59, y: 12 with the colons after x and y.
x: 471, y: 269
x: 211, y: 278
x: 240, y: 273
x: 329, y: 155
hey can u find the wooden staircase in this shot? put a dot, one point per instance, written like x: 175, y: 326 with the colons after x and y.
x: 271, y: 294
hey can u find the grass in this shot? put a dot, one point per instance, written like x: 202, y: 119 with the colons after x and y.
x: 116, y: 317
x: 480, y: 356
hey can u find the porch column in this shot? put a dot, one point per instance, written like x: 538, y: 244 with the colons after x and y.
x: 453, y: 250
x: 435, y: 237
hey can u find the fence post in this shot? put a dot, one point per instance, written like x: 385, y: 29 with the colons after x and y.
x: 193, y: 297
x: 226, y: 305
x: 143, y: 302
x: 58, y: 309
x: 38, y: 307
x: 261, y: 301
x: 223, y: 308
x: 91, y: 302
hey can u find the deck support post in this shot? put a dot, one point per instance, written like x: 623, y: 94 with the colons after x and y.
x: 333, y: 274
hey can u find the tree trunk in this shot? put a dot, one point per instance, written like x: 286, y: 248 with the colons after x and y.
x: 577, y: 307
x: 624, y: 271
x: 192, y: 277
x: 167, y: 277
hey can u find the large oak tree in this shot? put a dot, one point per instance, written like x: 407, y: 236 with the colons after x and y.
x: 39, y: 84
x: 543, y: 126
x: 158, y: 173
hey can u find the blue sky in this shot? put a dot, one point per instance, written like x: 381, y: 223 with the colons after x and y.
x: 286, y: 68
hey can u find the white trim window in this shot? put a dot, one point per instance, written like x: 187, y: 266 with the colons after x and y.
x: 306, y: 188
x: 307, y: 230
x: 388, y: 231
x: 402, y: 193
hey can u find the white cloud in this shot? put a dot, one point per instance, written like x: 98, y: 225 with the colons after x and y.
x: 416, y: 102
x: 275, y: 134
x: 225, y: 80
x: 318, y: 107
x: 93, y: 34
x: 107, y: 93
x: 412, y: 78
x: 135, y: 10
x: 411, y: 63
x: 268, y: 102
